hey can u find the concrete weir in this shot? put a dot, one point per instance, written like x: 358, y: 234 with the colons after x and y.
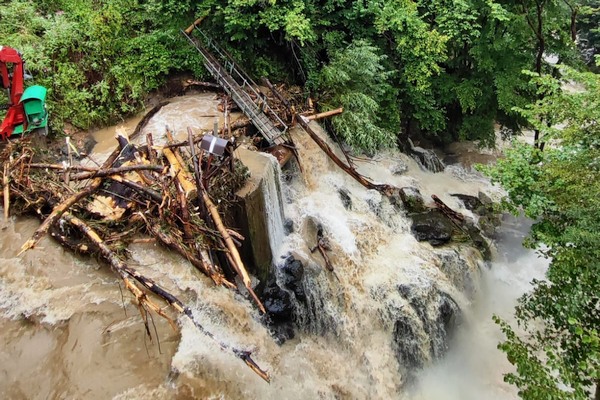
x: 259, y: 215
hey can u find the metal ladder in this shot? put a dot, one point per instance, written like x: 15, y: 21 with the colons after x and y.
x: 236, y: 84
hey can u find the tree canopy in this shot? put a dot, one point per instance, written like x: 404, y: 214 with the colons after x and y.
x: 444, y: 70
x: 556, y: 347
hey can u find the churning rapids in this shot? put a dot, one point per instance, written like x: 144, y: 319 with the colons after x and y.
x: 379, y: 328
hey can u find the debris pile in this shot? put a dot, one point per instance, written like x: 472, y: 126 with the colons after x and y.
x: 167, y: 192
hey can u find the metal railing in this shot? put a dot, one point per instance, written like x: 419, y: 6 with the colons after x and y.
x: 225, y: 69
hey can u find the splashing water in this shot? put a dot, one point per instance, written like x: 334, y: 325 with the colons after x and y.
x: 376, y: 328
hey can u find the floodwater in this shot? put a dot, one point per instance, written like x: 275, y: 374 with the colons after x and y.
x: 70, y: 331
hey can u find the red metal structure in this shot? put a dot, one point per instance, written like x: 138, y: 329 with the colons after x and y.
x: 12, y: 75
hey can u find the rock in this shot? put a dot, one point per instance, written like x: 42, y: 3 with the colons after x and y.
x: 290, y: 277
x: 282, y: 332
x: 399, y: 168
x: 488, y: 225
x: 426, y: 158
x: 278, y: 303
x: 408, y: 349
x: 471, y: 203
x: 478, y: 240
x: 345, y: 196
x: 432, y: 226
x: 288, y: 226
x: 422, y: 332
x: 484, y: 198
x: 412, y: 199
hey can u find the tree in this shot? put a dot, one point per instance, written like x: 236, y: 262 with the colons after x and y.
x: 356, y: 80
x: 556, y: 347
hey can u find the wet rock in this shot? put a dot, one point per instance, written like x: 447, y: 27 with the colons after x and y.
x: 426, y: 158
x: 461, y: 268
x: 484, y: 198
x: 345, y: 197
x: 288, y: 226
x: 423, y: 331
x: 374, y: 202
x: 471, y: 203
x: 282, y: 332
x: 412, y: 199
x: 432, y: 226
x: 277, y: 302
x: 408, y: 348
x: 478, y: 240
x: 291, y: 273
x: 488, y: 225
x: 399, y: 168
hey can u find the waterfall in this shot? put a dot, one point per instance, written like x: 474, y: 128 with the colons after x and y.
x: 271, y: 189
x: 426, y: 158
x: 396, y: 318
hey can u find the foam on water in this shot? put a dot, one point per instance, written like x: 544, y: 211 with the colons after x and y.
x: 350, y: 328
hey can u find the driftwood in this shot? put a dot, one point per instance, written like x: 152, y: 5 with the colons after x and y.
x: 325, y: 114
x: 183, y: 176
x: 127, y: 273
x: 323, y: 247
x: 66, y: 204
x: 144, y: 121
x: 384, y: 189
x: 450, y: 213
x: 209, y: 85
x: 165, y: 212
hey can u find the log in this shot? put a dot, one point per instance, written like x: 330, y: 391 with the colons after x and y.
x: 450, y: 213
x: 197, y: 22
x: 323, y: 246
x: 191, y: 82
x: 100, y: 173
x: 179, y: 171
x: 6, y: 190
x: 384, y: 189
x: 144, y: 121
x: 200, y: 263
x: 127, y: 273
x: 59, y: 209
x: 238, y: 265
x: 325, y: 114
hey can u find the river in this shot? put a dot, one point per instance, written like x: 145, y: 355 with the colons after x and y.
x: 69, y: 330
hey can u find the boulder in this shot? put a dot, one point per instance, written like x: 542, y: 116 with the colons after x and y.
x: 432, y: 226
x: 290, y: 277
x: 422, y: 331
x: 345, y: 197
x: 471, y: 203
x: 412, y: 199
x: 277, y: 302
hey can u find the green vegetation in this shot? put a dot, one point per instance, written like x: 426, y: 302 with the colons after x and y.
x: 557, y: 350
x: 443, y: 70
x: 98, y: 59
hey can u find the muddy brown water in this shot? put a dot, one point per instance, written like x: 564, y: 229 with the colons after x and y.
x: 70, y: 331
